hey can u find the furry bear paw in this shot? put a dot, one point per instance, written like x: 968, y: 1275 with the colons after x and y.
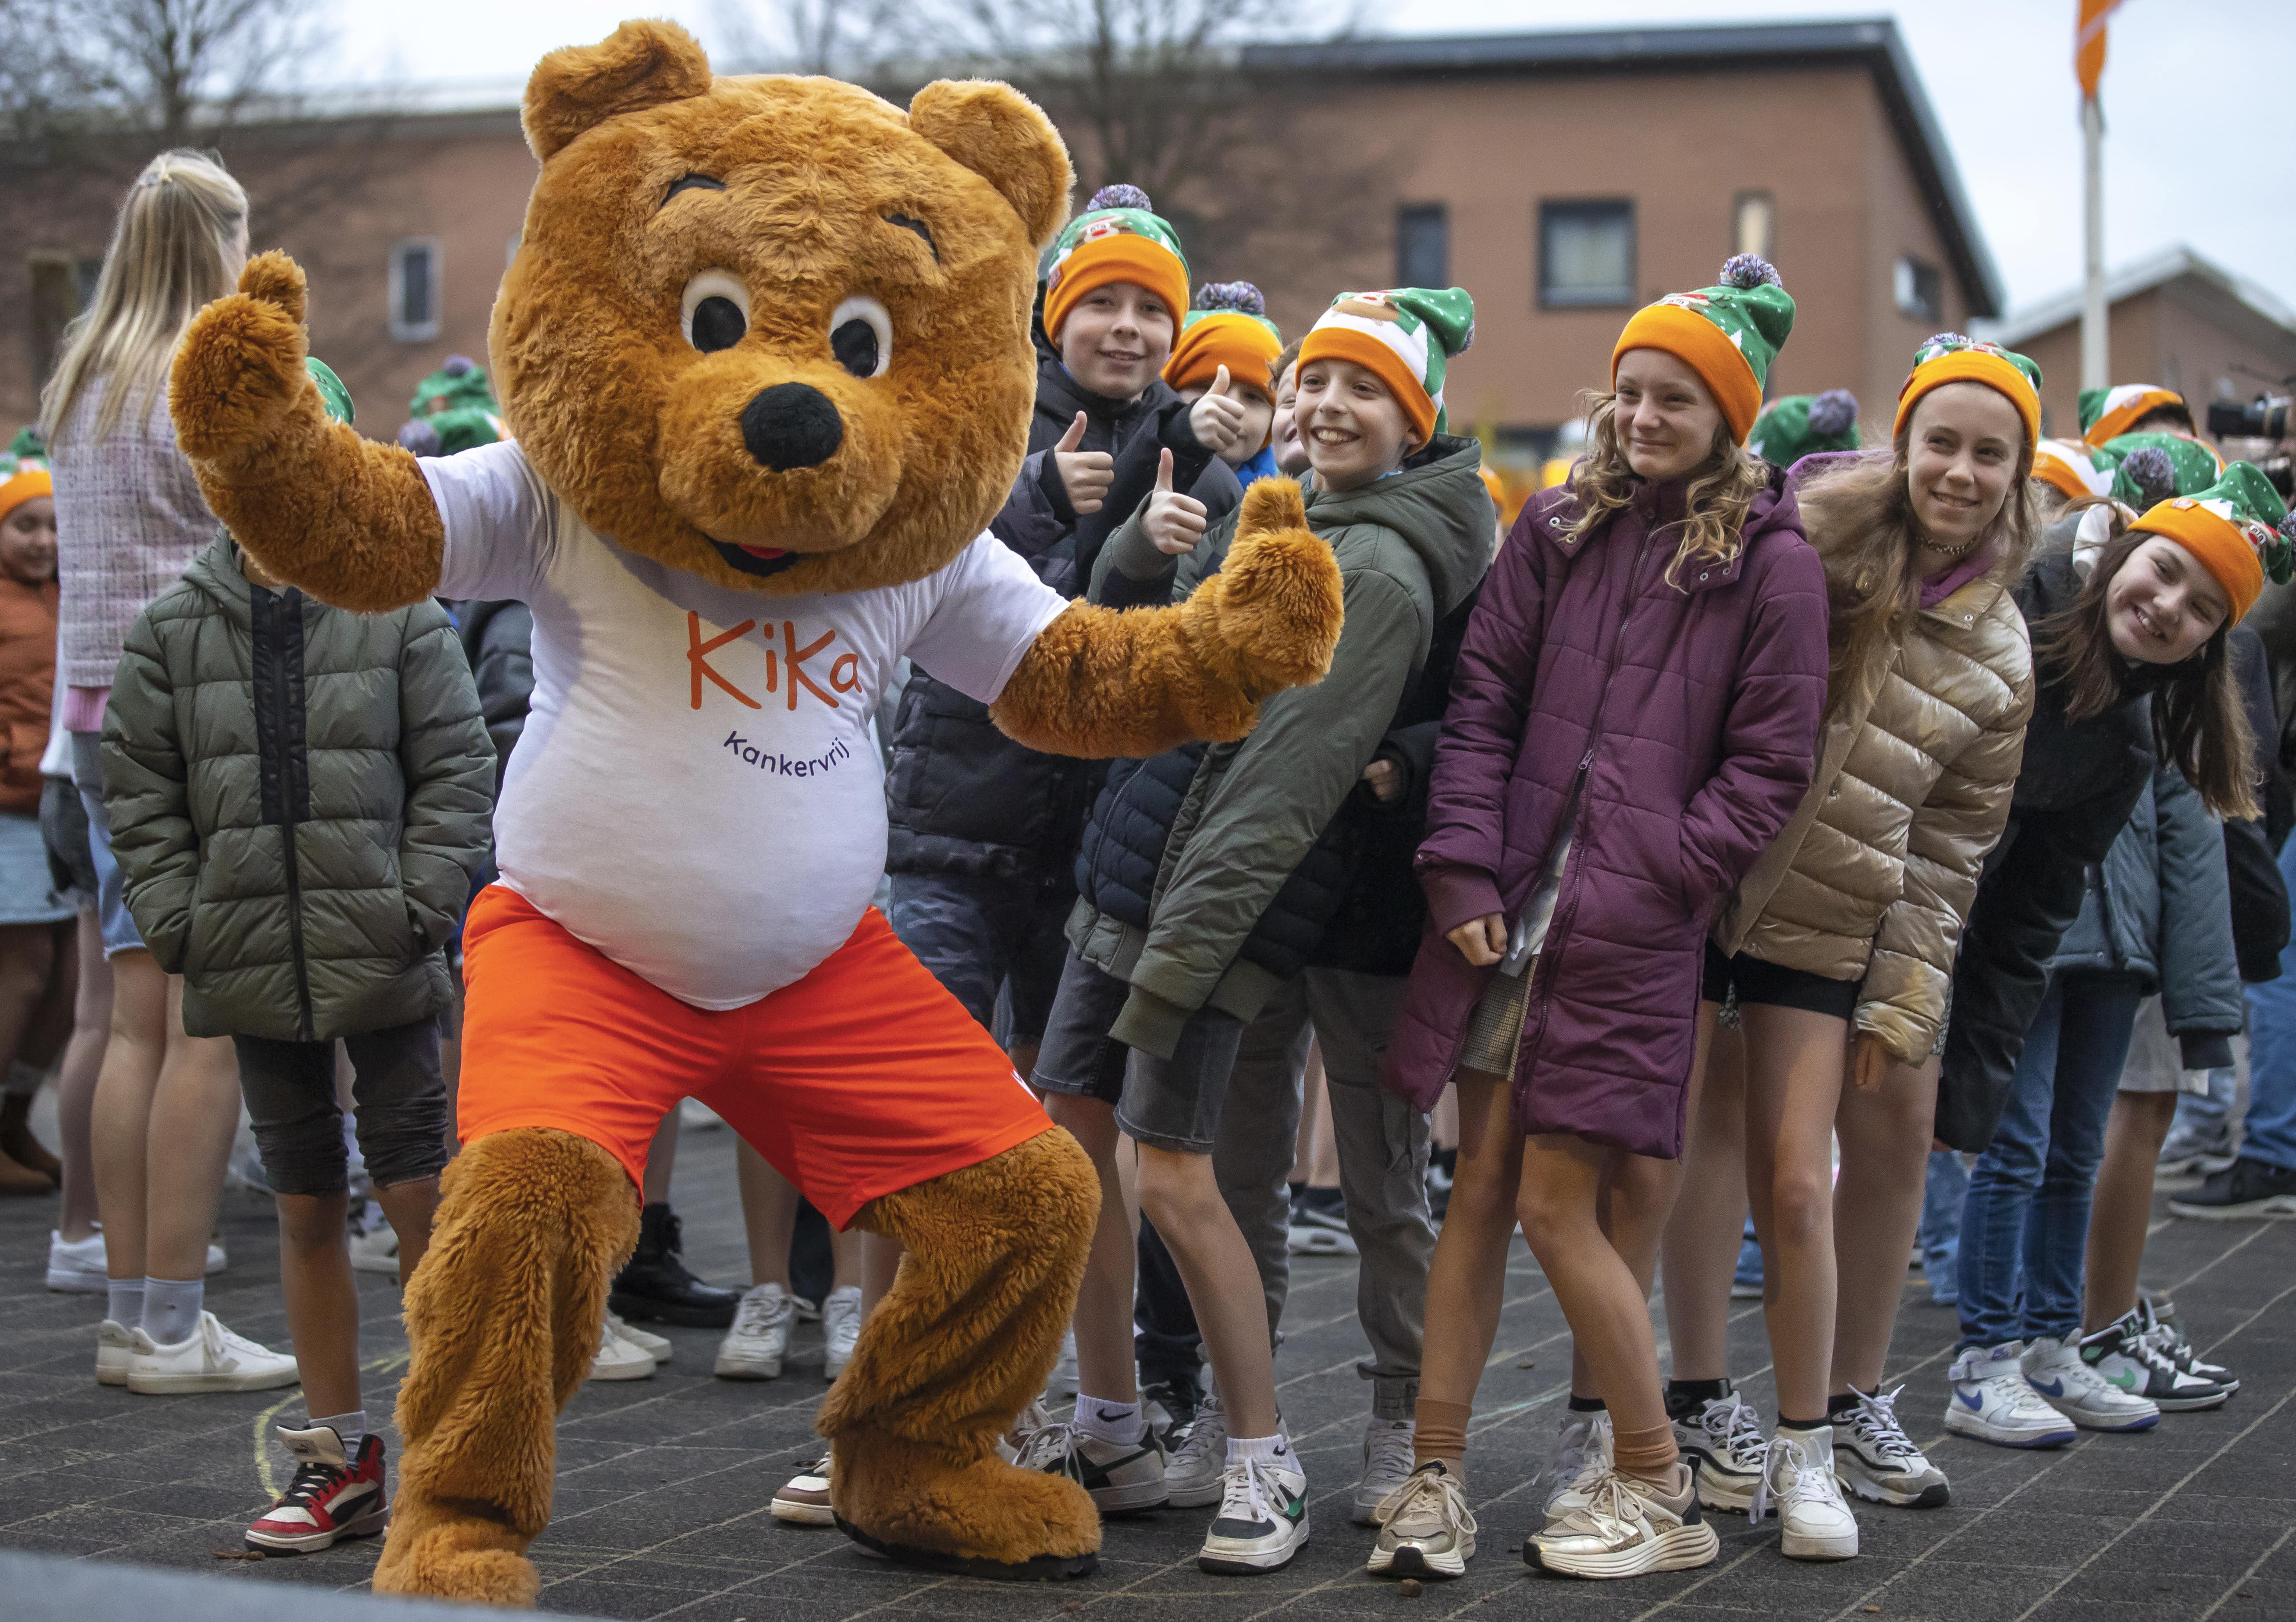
x: 430, y: 1553
x: 239, y: 370
x: 917, y: 1504
x: 1277, y: 608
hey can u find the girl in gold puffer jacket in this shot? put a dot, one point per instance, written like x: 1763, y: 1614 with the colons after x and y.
x: 1839, y: 947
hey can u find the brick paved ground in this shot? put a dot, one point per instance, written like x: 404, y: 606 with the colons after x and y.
x: 662, y: 1486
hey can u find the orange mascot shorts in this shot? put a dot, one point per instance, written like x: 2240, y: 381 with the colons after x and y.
x: 864, y: 1078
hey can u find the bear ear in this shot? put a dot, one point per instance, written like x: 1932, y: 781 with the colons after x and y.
x: 640, y: 65
x: 1004, y: 137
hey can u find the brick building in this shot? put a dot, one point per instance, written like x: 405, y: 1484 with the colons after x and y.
x: 1563, y: 178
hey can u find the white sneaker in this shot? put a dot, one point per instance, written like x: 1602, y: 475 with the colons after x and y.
x: 619, y: 1359
x: 1989, y: 1399
x: 374, y: 1243
x: 1425, y: 1528
x: 210, y: 1358
x: 803, y: 1500
x: 217, y: 1261
x: 841, y: 1329
x: 1726, y: 1439
x: 1386, y: 1466
x: 656, y: 1346
x: 1196, y: 1473
x: 1876, y: 1459
x: 755, y: 1346
x: 1263, y: 1516
x: 77, y: 1266
x: 2083, y: 1395
x: 1580, y: 1456
x: 1798, y: 1481
x: 115, y: 1346
x: 1626, y: 1527
x: 1119, y: 1476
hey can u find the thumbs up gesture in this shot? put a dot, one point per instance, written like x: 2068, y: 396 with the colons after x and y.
x: 1174, y: 521
x: 1085, y: 474
x: 1216, y: 419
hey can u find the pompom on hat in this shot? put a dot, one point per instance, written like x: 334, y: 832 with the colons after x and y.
x: 2239, y: 529
x: 24, y: 475
x: 1797, y: 426
x: 1228, y: 327
x: 1119, y: 237
x: 1730, y: 334
x: 2107, y: 414
x: 1405, y: 336
x: 1950, y: 358
x: 2191, y: 467
x: 2073, y: 466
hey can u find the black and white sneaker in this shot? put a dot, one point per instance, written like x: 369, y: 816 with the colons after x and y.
x: 2124, y: 1355
x: 2247, y: 1191
x: 1120, y: 1477
x: 1877, y: 1460
x: 2161, y: 1327
x: 1726, y: 1439
x: 1263, y: 1516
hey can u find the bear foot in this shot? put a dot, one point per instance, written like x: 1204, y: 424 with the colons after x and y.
x: 923, y: 1506
x: 430, y: 1553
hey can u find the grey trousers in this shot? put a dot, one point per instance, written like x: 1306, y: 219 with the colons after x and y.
x: 1383, y: 1151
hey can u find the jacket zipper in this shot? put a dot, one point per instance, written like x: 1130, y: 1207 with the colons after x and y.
x: 282, y: 715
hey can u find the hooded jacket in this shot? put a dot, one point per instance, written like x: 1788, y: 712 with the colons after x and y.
x: 298, y: 797
x: 1873, y: 878
x: 2076, y: 787
x: 960, y: 796
x: 1245, y: 877
x: 1682, y: 716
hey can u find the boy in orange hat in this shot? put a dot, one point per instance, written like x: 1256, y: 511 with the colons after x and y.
x: 1229, y: 347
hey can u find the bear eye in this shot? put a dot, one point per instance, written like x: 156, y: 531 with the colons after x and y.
x: 861, y: 336
x: 714, y: 312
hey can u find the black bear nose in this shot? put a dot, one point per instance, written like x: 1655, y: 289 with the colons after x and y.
x: 791, y: 425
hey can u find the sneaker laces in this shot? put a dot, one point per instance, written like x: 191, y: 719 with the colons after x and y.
x: 313, y: 1481
x: 1874, y: 1423
x: 1208, y: 1429
x: 1610, y: 1499
x: 1427, y: 1492
x: 1051, y: 1448
x: 760, y: 1312
x: 1801, y: 1478
x: 1388, y: 1451
x: 1250, y: 1494
x: 1574, y: 1454
x: 1737, y: 1430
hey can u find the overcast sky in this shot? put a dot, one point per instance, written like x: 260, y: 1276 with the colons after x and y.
x: 2195, y: 98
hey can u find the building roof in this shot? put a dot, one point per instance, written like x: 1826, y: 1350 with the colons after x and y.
x: 2233, y: 302
x: 1873, y: 44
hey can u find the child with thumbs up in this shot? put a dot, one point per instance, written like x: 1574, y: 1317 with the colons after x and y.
x: 1225, y: 365
x: 1208, y: 875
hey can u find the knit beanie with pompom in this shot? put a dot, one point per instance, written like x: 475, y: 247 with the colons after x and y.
x: 1730, y: 334
x: 1119, y: 237
x: 1797, y: 426
x: 1228, y: 327
x: 2238, y: 528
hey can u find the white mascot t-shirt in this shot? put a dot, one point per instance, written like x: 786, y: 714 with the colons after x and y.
x: 695, y: 793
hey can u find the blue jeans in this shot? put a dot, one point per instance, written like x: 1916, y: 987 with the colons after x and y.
x: 2270, y: 1133
x: 1942, y: 1194
x: 2028, y: 1196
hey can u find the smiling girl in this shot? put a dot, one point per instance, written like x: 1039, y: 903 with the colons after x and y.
x: 1839, y: 945
x: 2132, y: 649
x: 1632, y: 721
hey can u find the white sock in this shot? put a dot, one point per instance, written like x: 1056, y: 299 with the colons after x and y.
x: 1114, y: 1422
x: 350, y: 1427
x: 124, y: 1302
x: 1263, y: 1450
x: 172, y: 1307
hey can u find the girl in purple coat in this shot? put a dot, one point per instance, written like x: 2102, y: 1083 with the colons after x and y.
x: 1633, y: 720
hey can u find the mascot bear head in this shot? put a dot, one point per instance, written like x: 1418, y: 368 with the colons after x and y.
x: 773, y: 330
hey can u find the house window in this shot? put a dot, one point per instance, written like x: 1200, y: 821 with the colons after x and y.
x: 1587, y: 253
x: 1751, y: 224
x: 1920, y: 288
x: 414, y: 290
x: 1422, y: 245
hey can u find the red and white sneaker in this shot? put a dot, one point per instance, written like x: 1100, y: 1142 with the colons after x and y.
x: 329, y: 1498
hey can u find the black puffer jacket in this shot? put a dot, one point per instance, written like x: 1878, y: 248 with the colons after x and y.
x: 498, y: 641
x: 961, y: 797
x: 2075, y: 790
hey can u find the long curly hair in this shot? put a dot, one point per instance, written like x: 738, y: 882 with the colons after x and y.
x: 1860, y: 516
x: 1714, y: 507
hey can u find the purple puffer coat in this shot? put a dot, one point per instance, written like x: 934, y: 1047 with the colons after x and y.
x: 1694, y: 714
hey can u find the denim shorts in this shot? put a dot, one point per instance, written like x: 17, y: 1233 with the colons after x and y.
x: 111, y: 915
x: 400, y: 1112
x: 1165, y: 1103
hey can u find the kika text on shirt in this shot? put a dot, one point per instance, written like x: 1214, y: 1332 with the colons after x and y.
x: 786, y: 667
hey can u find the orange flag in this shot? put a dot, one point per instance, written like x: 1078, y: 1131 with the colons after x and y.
x: 2088, y: 44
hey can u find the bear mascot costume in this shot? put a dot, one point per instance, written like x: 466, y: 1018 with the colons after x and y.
x: 763, y: 350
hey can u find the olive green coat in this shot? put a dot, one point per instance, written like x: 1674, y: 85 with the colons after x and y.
x: 298, y: 797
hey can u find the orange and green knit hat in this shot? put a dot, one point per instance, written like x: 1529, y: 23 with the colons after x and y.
x: 2151, y: 468
x: 1950, y: 358
x: 2238, y: 528
x: 1119, y: 237
x: 1797, y: 426
x: 1730, y: 334
x: 24, y: 473
x: 2073, y: 466
x: 1405, y: 337
x: 1228, y: 327
x: 2107, y: 414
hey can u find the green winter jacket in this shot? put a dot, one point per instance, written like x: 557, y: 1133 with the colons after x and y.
x: 298, y: 797
x: 1410, y: 547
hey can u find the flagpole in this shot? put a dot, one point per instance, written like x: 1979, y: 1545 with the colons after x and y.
x: 2095, y: 364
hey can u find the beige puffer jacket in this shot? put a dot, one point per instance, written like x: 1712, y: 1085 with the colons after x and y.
x: 1874, y: 875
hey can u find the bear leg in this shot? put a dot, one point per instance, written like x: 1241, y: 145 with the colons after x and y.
x: 963, y: 1343
x: 501, y: 1319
